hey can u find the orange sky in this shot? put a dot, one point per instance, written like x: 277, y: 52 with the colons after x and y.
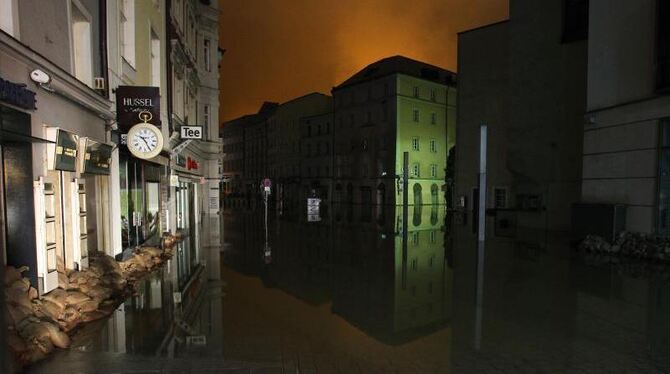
x: 280, y: 49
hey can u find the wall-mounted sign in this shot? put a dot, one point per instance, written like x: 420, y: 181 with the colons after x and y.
x: 62, y: 155
x: 94, y: 157
x: 132, y: 101
x: 17, y: 94
x: 191, y: 164
x: 191, y: 132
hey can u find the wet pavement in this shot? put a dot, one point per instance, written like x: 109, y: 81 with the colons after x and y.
x: 359, y: 292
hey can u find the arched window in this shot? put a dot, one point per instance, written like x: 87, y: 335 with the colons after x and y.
x: 433, y: 194
x: 418, y: 205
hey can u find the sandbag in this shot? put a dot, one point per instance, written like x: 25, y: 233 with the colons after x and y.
x: 76, y: 297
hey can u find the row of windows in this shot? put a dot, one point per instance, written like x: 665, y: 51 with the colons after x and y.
x: 415, y: 170
x: 368, y: 120
x: 416, y: 116
x: 416, y: 145
x: 378, y: 92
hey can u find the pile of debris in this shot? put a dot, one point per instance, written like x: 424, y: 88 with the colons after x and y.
x: 630, y: 244
x: 37, y: 325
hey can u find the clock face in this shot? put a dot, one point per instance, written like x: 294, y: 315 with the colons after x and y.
x: 145, y: 140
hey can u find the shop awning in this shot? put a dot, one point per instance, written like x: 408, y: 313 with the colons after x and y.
x: 7, y: 136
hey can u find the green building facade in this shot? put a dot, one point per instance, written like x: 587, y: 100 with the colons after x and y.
x: 393, y: 106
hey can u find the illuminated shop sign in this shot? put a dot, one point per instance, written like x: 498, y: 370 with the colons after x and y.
x: 62, y: 154
x: 17, y: 94
x: 95, y: 157
x: 131, y: 101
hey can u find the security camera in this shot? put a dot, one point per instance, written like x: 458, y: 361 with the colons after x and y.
x: 40, y: 77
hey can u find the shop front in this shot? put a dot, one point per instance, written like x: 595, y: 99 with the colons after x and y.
x: 143, y: 169
x: 55, y: 161
x: 188, y: 182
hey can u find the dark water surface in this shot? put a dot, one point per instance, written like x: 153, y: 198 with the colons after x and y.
x: 360, y: 292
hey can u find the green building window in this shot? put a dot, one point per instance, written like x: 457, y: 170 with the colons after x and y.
x: 433, y: 145
x: 415, y: 144
x: 415, y: 170
x: 416, y: 115
x: 432, y: 95
x: 416, y: 91
x: 433, y: 171
x: 433, y: 118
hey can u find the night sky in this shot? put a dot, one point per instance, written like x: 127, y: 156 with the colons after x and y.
x: 280, y: 49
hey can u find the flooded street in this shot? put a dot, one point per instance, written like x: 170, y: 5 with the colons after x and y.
x: 352, y: 294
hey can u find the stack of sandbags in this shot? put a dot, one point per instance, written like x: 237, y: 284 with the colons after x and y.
x: 630, y: 244
x: 30, y: 337
x: 143, y: 261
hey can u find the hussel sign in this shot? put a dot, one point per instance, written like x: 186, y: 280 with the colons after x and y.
x: 131, y: 101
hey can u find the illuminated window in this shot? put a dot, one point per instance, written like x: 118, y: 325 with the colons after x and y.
x: 433, y: 118
x: 416, y: 115
x: 433, y: 145
x: 416, y: 91
x: 415, y: 144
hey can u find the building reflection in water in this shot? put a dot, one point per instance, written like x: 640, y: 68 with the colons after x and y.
x: 353, y: 258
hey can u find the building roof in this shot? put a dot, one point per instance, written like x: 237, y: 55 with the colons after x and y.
x: 400, y: 65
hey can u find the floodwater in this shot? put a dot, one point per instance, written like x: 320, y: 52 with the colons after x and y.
x: 359, y: 289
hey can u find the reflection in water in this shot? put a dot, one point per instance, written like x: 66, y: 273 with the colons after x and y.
x: 354, y: 259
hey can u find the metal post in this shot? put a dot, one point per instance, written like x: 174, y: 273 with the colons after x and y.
x: 481, y: 235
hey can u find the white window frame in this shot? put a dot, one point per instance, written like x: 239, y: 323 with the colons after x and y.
x: 9, y: 17
x: 81, y: 42
x: 494, y: 199
x: 433, y: 145
x: 433, y: 170
x: 155, y: 59
x: 416, y: 170
x: 415, y: 143
x: 127, y: 32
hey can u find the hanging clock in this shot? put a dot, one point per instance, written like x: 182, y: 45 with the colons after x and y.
x: 145, y: 140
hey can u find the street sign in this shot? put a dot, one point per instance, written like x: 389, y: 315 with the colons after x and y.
x: 191, y: 132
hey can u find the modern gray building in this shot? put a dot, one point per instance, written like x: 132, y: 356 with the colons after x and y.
x: 525, y: 79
